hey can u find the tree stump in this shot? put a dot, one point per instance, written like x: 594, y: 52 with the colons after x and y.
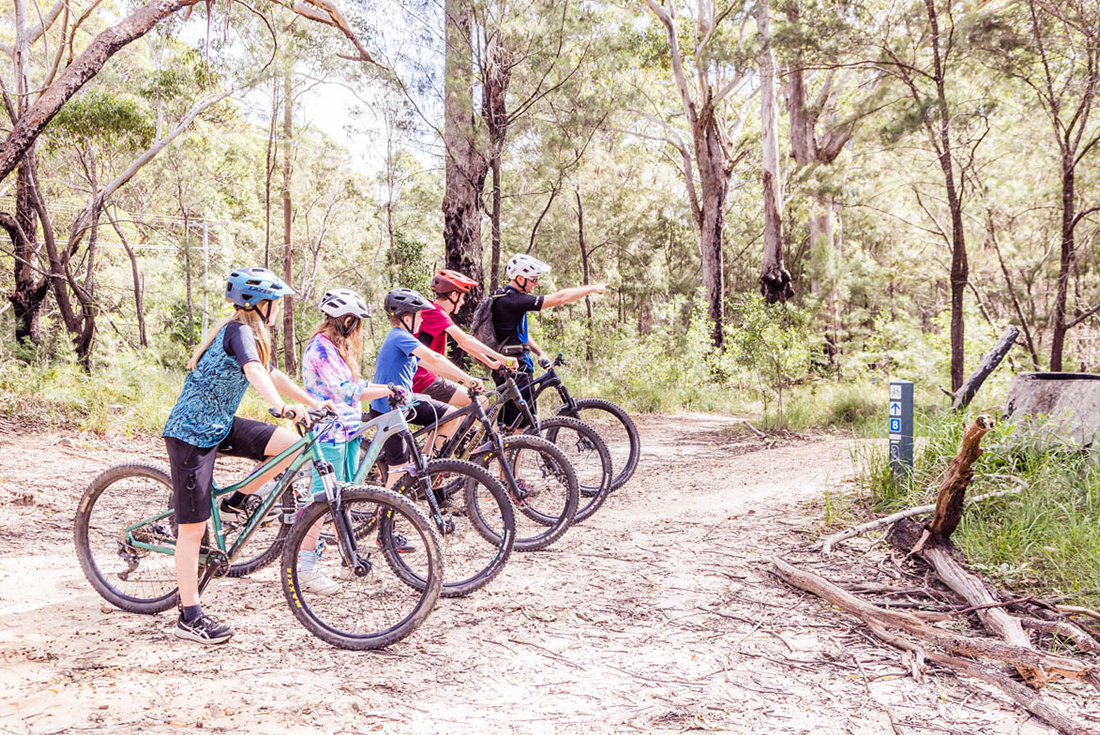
x: 1058, y: 408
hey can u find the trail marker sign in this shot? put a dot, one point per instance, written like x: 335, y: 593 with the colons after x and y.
x: 901, y: 431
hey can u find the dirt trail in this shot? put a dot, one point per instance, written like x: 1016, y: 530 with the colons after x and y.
x: 655, y: 615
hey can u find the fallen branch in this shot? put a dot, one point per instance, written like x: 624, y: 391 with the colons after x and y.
x: 1074, y: 610
x: 836, y: 538
x: 1080, y: 638
x: 988, y: 364
x: 880, y: 622
x: 955, y: 643
x: 1015, y: 691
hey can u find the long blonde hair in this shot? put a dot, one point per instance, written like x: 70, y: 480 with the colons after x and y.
x: 349, y: 347
x: 248, y: 317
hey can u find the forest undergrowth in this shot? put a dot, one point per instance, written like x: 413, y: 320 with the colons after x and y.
x: 1041, y: 538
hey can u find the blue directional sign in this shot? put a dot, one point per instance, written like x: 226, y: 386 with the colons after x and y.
x: 901, y: 431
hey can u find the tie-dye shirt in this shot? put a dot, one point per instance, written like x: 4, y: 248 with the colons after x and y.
x: 326, y: 376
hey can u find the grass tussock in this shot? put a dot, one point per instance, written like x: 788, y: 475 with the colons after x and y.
x: 1043, y: 540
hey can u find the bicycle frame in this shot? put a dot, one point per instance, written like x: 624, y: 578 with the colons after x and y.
x: 388, y: 425
x: 306, y: 450
x: 473, y: 413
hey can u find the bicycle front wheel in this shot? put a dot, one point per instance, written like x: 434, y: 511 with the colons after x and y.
x: 362, y: 604
x: 125, y: 536
x: 476, y: 550
x: 618, y: 432
x: 545, y: 492
x: 587, y: 453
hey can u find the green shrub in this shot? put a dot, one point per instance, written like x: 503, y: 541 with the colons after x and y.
x: 1043, y: 539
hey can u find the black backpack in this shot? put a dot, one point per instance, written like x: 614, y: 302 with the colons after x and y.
x: 482, y: 326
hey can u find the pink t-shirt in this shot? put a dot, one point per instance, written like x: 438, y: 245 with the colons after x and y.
x: 433, y: 326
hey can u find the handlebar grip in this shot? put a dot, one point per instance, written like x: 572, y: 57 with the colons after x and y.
x: 274, y: 413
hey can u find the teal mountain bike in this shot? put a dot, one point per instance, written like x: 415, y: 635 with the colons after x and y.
x: 125, y: 532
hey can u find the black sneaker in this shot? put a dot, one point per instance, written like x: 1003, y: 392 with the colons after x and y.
x: 400, y: 544
x: 203, y: 629
x: 249, y: 505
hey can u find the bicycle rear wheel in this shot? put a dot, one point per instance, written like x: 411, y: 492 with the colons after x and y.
x: 373, y: 607
x: 476, y: 552
x: 618, y: 432
x: 546, y: 493
x: 587, y: 453
x: 125, y: 536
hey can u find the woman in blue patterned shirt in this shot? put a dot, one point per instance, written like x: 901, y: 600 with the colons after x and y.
x: 234, y: 354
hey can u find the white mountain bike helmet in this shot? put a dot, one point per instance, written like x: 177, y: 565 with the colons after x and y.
x: 344, y: 302
x: 525, y: 265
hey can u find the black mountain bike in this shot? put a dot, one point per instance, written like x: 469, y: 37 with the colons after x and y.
x: 613, y: 424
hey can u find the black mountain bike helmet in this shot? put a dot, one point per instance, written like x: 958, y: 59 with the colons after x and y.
x: 405, y: 301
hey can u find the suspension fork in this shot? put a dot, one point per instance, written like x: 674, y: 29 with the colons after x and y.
x: 497, y: 439
x: 515, y: 394
x: 424, y: 481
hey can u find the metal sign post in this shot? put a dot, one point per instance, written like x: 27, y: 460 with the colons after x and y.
x: 901, y: 431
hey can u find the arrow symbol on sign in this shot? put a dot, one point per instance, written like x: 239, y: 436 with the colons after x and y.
x: 895, y: 408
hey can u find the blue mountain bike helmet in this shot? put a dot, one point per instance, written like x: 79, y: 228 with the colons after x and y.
x: 247, y: 287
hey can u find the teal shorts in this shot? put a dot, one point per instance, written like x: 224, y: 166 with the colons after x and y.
x: 344, y: 457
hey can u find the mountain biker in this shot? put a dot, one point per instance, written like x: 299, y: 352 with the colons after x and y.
x: 330, y: 371
x: 397, y: 361
x: 450, y: 289
x: 510, y: 308
x: 234, y: 354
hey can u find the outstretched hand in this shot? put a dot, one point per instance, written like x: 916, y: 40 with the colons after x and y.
x: 599, y: 288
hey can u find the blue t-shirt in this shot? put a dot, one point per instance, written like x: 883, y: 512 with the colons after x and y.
x: 212, y: 392
x: 395, y: 364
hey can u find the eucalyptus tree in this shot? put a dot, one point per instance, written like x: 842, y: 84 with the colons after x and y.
x: 922, y: 46
x: 1053, y: 48
x: 40, y: 93
x: 713, y: 80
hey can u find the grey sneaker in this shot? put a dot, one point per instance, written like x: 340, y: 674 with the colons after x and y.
x: 204, y: 629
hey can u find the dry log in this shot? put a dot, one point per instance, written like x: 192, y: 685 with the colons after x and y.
x: 1080, y: 638
x: 988, y: 364
x: 988, y: 606
x: 953, y: 643
x: 1020, y: 694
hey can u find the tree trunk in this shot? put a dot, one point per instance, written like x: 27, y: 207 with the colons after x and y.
x: 465, y: 166
x: 714, y: 186
x: 30, y: 285
x: 775, y: 281
x: 86, y: 294
x: 1058, y: 339
x: 188, y: 280
x: 85, y: 66
x: 498, y: 75
x: 269, y: 170
x: 960, y: 269
x: 586, y: 274
x: 136, y: 275
x: 290, y: 360
x: 494, y: 216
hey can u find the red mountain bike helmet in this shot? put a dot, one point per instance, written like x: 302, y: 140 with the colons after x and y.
x: 446, y: 281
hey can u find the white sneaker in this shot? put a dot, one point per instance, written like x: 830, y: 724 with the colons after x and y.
x: 318, y: 583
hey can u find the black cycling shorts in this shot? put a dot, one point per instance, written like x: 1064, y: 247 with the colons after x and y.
x: 193, y: 467
x: 427, y: 411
